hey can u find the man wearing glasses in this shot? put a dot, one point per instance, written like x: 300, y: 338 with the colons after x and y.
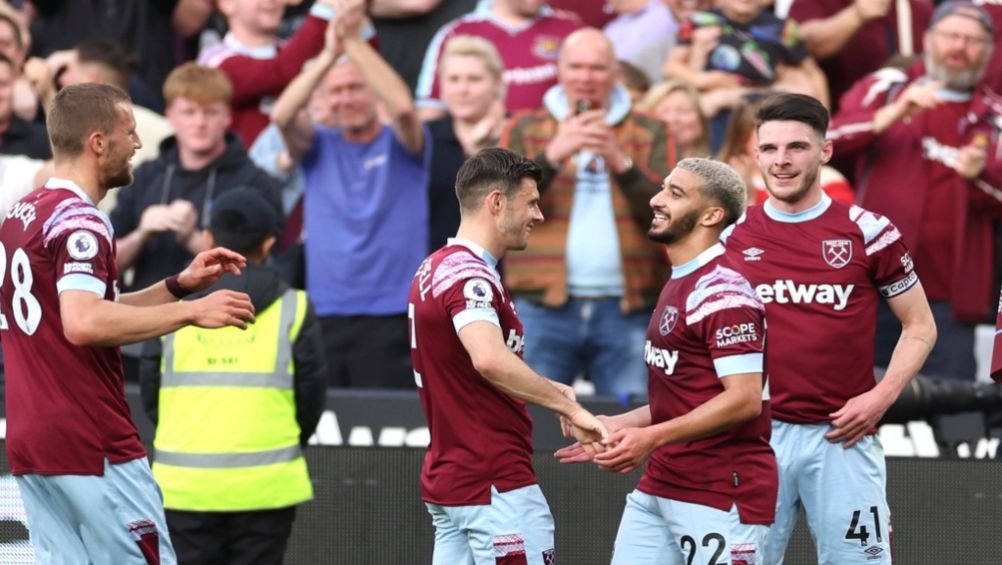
x: 925, y: 143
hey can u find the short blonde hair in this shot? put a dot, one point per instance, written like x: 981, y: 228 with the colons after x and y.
x: 472, y: 46
x: 199, y: 83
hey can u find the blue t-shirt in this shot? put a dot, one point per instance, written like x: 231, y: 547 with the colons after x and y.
x: 366, y: 218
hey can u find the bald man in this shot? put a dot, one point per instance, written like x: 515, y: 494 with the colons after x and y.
x: 586, y: 284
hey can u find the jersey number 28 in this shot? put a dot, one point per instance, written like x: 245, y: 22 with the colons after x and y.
x: 27, y: 310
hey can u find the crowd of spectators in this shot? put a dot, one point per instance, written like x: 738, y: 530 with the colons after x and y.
x: 351, y: 118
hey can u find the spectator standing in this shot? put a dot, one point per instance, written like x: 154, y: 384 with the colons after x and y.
x: 159, y: 220
x: 73, y: 449
x: 711, y: 475
x: 257, y: 66
x: 853, y: 38
x: 18, y: 137
x: 473, y: 93
x: 466, y: 342
x: 219, y: 422
x: 821, y: 264
x: 585, y: 286
x: 528, y: 35
x: 925, y: 144
x: 366, y: 204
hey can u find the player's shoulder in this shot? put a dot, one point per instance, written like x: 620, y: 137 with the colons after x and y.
x: 67, y: 212
x: 456, y: 265
x: 719, y: 286
x: 875, y: 230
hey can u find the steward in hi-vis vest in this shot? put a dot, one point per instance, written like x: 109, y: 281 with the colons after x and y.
x: 234, y: 408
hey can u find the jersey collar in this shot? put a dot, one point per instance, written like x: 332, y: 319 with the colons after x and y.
x: 476, y: 249
x: 263, y: 52
x: 708, y: 254
x: 55, y: 183
x: 798, y: 217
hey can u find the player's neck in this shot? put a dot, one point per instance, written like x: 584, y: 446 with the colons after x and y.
x: 83, y: 176
x: 484, y: 236
x: 810, y: 200
x: 688, y: 248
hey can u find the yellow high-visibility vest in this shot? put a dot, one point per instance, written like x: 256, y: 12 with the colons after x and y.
x: 227, y: 437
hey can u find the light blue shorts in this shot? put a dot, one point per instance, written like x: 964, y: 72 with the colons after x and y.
x: 516, y: 528
x: 662, y: 531
x: 842, y: 491
x: 115, y: 518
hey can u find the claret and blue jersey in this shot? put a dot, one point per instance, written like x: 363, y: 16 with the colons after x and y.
x: 820, y: 273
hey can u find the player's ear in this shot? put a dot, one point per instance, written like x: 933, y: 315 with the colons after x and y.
x: 495, y: 201
x: 713, y: 215
x: 826, y: 151
x: 97, y: 143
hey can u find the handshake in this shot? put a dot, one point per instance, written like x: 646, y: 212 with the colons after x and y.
x: 614, y: 443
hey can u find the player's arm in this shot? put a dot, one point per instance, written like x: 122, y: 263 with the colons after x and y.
x: 740, y: 401
x: 491, y: 358
x: 918, y: 335
x: 91, y: 321
x: 204, y: 271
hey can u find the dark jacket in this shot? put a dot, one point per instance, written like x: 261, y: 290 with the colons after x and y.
x: 264, y: 287
x: 162, y: 180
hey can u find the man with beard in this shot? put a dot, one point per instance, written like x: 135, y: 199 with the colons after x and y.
x: 710, y: 487
x: 925, y: 144
x: 818, y: 265
x: 80, y: 467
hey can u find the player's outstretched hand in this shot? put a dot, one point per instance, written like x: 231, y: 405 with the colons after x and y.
x: 588, y: 430
x: 208, y: 266
x: 860, y: 414
x: 223, y: 308
x: 628, y: 448
x: 580, y: 453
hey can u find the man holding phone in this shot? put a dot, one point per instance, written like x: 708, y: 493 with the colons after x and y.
x: 585, y: 286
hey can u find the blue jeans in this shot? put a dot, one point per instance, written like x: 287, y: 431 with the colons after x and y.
x: 591, y: 336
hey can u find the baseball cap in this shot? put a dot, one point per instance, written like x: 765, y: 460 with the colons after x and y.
x: 965, y: 9
x: 243, y: 210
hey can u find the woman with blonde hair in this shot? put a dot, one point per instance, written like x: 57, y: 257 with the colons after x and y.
x: 676, y: 103
x: 473, y: 92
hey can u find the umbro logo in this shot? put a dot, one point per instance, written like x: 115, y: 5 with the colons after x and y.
x: 753, y: 254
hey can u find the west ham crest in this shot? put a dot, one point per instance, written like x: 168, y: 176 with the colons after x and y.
x: 837, y: 252
x: 668, y: 319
